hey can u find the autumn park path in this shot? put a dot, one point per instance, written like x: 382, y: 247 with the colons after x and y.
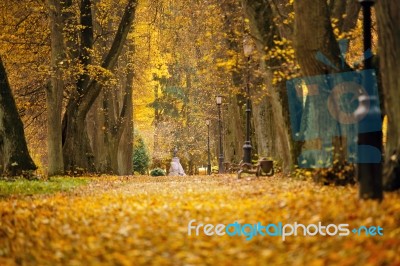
x: 144, y: 220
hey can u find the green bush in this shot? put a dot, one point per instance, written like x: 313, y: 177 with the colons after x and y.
x: 141, y: 158
x: 157, y: 172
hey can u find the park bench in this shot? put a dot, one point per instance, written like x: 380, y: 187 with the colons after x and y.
x: 231, y: 167
x: 263, y: 167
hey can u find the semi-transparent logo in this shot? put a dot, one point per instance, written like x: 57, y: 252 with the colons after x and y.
x: 322, y: 108
x: 249, y: 231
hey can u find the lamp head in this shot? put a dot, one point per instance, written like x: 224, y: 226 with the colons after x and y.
x: 248, y: 46
x: 219, y: 99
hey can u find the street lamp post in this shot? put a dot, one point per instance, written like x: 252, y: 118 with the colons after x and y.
x: 367, y: 35
x: 247, y: 48
x: 208, y: 122
x: 221, y: 152
x: 369, y: 172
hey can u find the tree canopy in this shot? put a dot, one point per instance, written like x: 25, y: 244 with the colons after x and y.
x: 84, y: 73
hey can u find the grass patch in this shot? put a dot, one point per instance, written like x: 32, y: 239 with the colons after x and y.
x: 26, y: 187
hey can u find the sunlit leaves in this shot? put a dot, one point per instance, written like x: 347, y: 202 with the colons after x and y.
x: 144, y: 221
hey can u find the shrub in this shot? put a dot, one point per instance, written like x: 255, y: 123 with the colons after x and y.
x: 157, y: 172
x: 141, y: 158
x: 339, y: 174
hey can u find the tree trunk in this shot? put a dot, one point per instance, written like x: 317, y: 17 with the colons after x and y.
x: 96, y: 132
x: 14, y: 154
x: 349, y: 21
x: 346, y: 14
x: 125, y: 150
x: 233, y: 137
x: 314, y: 33
x: 54, y: 92
x: 112, y: 152
x: 76, y: 146
x: 264, y: 131
x: 78, y: 155
x: 388, y: 17
x: 233, y: 122
x: 109, y: 110
x: 262, y: 28
x: 117, y: 118
x: 157, y: 161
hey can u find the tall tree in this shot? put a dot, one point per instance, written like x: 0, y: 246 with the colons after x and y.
x: 273, y: 109
x: 388, y: 17
x: 109, y: 121
x: 234, y: 123
x: 311, y: 38
x: 76, y: 147
x: 14, y: 154
x: 25, y: 47
x: 54, y: 91
x: 118, y: 120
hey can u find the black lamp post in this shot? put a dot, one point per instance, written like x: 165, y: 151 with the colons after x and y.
x: 247, y: 48
x: 221, y: 152
x: 369, y: 173
x: 208, y: 122
x: 367, y: 25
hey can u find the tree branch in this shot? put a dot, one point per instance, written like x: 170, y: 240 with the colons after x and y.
x: 92, y: 91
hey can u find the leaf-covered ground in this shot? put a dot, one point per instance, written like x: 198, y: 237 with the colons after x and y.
x: 144, y: 221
